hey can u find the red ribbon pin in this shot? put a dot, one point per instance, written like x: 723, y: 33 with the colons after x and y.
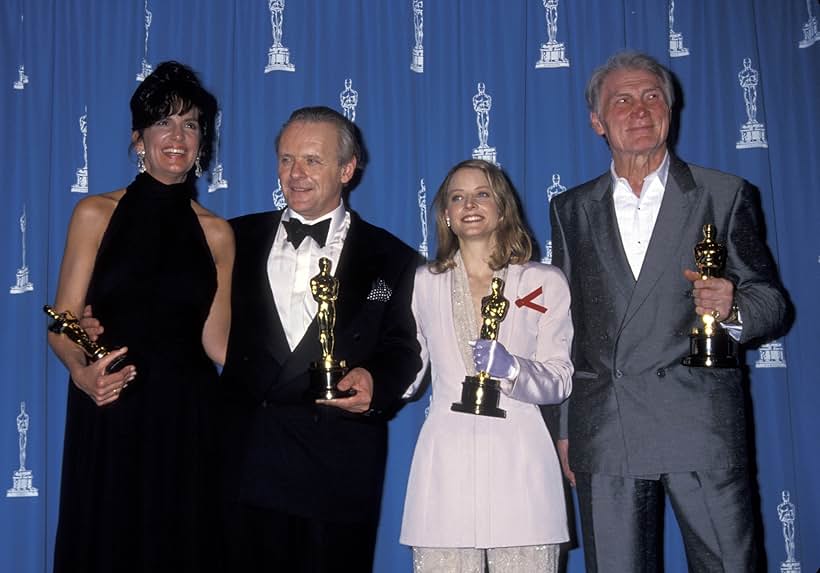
x: 527, y: 301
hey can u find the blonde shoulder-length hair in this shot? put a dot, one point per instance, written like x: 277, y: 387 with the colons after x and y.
x: 512, y: 242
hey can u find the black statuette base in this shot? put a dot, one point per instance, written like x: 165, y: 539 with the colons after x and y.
x: 480, y: 397
x: 715, y: 351
x: 323, y: 381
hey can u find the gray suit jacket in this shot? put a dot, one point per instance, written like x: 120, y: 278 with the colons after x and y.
x: 635, y: 410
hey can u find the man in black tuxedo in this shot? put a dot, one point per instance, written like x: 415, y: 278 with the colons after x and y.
x: 304, y: 479
x: 641, y: 425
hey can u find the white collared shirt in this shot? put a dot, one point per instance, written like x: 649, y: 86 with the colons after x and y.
x: 290, y: 270
x: 637, y: 215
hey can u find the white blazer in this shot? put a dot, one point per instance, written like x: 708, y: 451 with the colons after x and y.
x: 486, y: 482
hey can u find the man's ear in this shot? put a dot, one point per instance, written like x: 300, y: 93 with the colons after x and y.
x: 596, y: 123
x: 348, y: 169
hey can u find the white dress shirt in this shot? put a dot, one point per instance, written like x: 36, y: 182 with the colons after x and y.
x: 637, y: 214
x: 290, y: 270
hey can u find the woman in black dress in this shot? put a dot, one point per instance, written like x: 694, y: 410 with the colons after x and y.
x: 137, y: 491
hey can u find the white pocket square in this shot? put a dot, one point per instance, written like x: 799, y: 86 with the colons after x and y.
x: 380, y: 291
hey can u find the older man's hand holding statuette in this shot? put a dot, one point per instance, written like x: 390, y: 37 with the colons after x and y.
x: 66, y: 323
x: 326, y: 373
x: 710, y: 346
x: 480, y: 394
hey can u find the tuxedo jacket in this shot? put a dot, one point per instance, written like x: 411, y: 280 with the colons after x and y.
x: 635, y: 410
x: 284, y: 452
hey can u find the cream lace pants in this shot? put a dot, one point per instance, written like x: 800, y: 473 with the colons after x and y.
x: 525, y: 559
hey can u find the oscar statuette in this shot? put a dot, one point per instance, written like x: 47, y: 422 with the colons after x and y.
x: 66, y: 323
x: 325, y: 374
x: 710, y: 346
x: 480, y: 394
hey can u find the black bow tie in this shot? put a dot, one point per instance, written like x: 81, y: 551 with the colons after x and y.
x: 297, y: 231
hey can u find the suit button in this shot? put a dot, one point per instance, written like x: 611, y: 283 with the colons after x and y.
x: 619, y: 374
x: 661, y: 372
x: 264, y: 403
x: 356, y: 336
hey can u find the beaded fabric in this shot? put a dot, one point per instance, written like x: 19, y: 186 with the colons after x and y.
x: 524, y: 559
x: 464, y: 315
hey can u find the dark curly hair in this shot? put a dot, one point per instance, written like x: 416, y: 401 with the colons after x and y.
x: 174, y: 89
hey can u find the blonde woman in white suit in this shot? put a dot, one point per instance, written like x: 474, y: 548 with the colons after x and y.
x: 487, y: 488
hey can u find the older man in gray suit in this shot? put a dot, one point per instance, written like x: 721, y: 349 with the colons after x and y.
x: 640, y: 424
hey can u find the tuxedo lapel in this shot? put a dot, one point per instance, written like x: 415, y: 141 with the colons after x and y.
x: 278, y: 342
x: 354, y: 271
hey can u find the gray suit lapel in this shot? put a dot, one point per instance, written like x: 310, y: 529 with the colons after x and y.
x: 603, y: 224
x: 665, y: 244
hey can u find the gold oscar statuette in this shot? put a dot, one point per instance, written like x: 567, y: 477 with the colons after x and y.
x: 326, y: 373
x: 710, y: 346
x: 480, y: 394
x: 66, y: 323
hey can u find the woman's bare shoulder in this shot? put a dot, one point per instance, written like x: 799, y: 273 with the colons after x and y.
x: 218, y: 231
x: 96, y: 210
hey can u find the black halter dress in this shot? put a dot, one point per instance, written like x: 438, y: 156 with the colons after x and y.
x: 137, y: 491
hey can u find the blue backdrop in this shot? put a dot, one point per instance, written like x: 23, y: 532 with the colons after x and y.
x: 412, y: 70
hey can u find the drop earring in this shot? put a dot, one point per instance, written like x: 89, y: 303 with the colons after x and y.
x: 447, y: 220
x: 197, y: 167
x: 141, y: 161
